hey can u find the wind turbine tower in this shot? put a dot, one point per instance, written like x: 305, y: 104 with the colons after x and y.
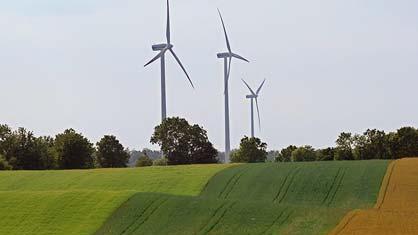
x: 163, y: 48
x: 254, y: 96
x: 227, y: 58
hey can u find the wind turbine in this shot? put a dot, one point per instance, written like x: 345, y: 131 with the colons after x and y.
x: 163, y: 48
x: 252, y: 97
x: 227, y: 57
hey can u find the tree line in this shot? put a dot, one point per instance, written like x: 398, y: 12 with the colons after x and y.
x: 21, y: 150
x: 372, y: 144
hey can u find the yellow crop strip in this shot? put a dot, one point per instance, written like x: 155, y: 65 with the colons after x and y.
x: 396, y: 210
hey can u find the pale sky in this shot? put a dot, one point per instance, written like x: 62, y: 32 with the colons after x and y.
x: 331, y: 66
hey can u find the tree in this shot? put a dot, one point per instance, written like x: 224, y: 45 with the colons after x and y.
x: 143, y: 161
x: 250, y: 150
x: 304, y: 154
x: 344, y: 149
x: 327, y: 154
x: 111, y: 153
x: 285, y: 154
x: 74, y: 151
x: 183, y: 143
x: 404, y: 143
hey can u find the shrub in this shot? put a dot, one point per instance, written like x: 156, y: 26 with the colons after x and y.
x: 160, y: 162
x: 144, y: 161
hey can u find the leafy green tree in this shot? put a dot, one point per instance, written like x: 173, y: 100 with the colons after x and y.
x: 144, y: 161
x: 304, y: 154
x: 285, y: 154
x: 183, y: 143
x: 111, y: 153
x: 404, y: 143
x: 74, y: 151
x: 250, y: 150
x: 327, y: 154
x: 344, y: 149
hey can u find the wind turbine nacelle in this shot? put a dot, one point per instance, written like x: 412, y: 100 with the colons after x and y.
x: 224, y: 55
x: 160, y: 47
x: 251, y: 96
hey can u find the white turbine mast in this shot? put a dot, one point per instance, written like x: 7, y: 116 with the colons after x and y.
x: 227, y: 57
x: 254, y: 96
x: 163, y: 48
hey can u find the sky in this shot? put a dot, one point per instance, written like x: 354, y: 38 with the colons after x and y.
x: 331, y: 66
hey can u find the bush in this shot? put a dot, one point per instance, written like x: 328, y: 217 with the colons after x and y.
x: 144, y: 161
x: 160, y: 162
x: 285, y: 154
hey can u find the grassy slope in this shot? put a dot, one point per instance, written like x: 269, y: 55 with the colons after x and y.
x: 293, y: 198
x: 79, y: 201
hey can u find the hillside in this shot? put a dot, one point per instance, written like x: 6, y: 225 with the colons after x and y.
x: 396, y: 211
x: 290, y: 198
x: 79, y: 201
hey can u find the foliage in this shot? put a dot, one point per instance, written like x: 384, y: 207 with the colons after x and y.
x: 404, y: 143
x: 304, y: 154
x: 285, y: 154
x: 4, y: 165
x: 184, y: 143
x: 111, y: 153
x: 74, y: 150
x: 144, y: 161
x: 251, y: 150
x: 344, y: 148
x: 160, y: 162
x: 327, y: 154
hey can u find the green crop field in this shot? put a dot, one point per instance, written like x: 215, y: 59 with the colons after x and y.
x: 289, y: 198
x: 78, y: 202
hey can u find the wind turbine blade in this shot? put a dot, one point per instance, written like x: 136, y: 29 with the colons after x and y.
x: 168, y: 23
x: 239, y: 57
x: 156, y: 57
x: 182, y: 67
x: 261, y: 86
x: 226, y: 35
x: 258, y: 113
x: 252, y: 92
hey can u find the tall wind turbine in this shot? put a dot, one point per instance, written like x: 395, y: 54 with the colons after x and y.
x: 254, y: 96
x: 163, y: 48
x: 227, y: 57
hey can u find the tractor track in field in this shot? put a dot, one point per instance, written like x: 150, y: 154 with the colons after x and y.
x: 150, y: 214
x: 282, y: 185
x: 274, y: 222
x: 223, y: 209
x: 336, y: 189
x: 231, y: 183
x: 289, y: 184
x: 332, y: 186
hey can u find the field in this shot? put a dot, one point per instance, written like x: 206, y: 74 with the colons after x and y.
x: 290, y: 198
x: 79, y: 202
x: 396, y: 211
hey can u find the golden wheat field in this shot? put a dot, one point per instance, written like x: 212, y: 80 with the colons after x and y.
x: 396, y: 211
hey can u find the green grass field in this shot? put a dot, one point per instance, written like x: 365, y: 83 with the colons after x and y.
x: 78, y: 202
x: 289, y: 198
